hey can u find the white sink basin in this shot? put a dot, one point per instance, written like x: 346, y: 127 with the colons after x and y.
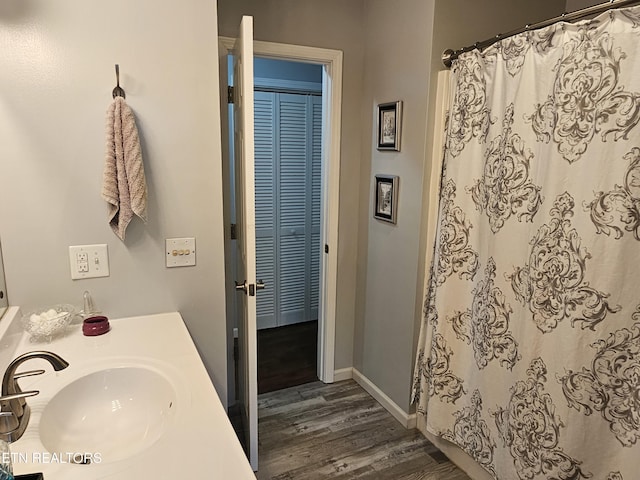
x: 115, y: 413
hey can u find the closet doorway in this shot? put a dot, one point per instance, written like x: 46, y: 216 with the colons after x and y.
x: 241, y: 251
x: 330, y: 62
x: 288, y: 179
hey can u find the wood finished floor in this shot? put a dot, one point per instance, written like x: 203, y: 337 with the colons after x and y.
x: 337, y: 431
x: 287, y: 356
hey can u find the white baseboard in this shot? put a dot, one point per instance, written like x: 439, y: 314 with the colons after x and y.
x: 406, y: 420
x: 342, y: 374
x: 412, y: 421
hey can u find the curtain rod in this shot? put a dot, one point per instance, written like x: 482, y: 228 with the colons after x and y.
x: 449, y: 55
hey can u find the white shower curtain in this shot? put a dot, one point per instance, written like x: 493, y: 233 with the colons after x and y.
x: 529, y: 353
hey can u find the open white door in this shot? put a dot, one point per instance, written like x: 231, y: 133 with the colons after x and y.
x: 246, y: 235
x: 332, y: 96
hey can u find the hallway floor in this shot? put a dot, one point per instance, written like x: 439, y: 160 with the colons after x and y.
x: 287, y: 356
x: 338, y: 431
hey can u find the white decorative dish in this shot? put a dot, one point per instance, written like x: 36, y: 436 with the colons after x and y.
x: 44, y: 324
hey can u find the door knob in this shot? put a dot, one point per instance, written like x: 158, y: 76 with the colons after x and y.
x: 251, y: 288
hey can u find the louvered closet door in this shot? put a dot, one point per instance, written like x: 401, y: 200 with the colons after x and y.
x: 316, y: 183
x: 266, y: 207
x: 288, y: 179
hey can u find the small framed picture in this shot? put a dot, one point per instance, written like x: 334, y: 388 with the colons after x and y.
x: 386, y: 198
x: 389, y: 125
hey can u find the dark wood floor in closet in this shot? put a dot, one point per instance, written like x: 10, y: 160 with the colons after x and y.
x: 287, y: 356
x: 339, y: 432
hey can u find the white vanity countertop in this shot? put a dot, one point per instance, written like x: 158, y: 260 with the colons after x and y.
x: 200, y: 442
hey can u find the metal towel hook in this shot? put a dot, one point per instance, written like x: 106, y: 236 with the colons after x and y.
x: 118, y: 92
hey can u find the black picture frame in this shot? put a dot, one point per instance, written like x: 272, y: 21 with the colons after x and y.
x: 389, y: 126
x: 386, y: 198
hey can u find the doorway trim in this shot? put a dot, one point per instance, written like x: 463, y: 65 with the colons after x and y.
x: 331, y: 60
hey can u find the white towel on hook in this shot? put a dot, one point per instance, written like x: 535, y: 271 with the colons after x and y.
x: 123, y: 183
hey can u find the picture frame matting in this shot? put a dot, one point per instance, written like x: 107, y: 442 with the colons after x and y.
x: 389, y: 126
x: 386, y: 198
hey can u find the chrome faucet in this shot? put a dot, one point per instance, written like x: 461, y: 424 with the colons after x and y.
x: 14, y: 411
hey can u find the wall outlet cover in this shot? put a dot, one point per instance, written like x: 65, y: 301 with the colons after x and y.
x: 89, y: 261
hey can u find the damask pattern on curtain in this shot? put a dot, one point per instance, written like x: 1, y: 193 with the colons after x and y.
x: 529, y: 354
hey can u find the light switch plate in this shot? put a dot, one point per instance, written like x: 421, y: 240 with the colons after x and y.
x: 89, y: 261
x: 180, y: 252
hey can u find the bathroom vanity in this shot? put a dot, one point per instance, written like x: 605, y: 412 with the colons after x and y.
x: 134, y: 403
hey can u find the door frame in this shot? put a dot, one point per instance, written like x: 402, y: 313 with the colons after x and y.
x: 331, y: 60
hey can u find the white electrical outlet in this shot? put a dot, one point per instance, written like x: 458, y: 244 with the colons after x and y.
x: 89, y: 261
x: 82, y: 262
x: 180, y: 252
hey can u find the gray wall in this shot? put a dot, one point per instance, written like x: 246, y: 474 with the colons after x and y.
x: 56, y: 78
x: 283, y: 70
x: 398, y: 37
x: 391, y: 259
x: 335, y: 24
